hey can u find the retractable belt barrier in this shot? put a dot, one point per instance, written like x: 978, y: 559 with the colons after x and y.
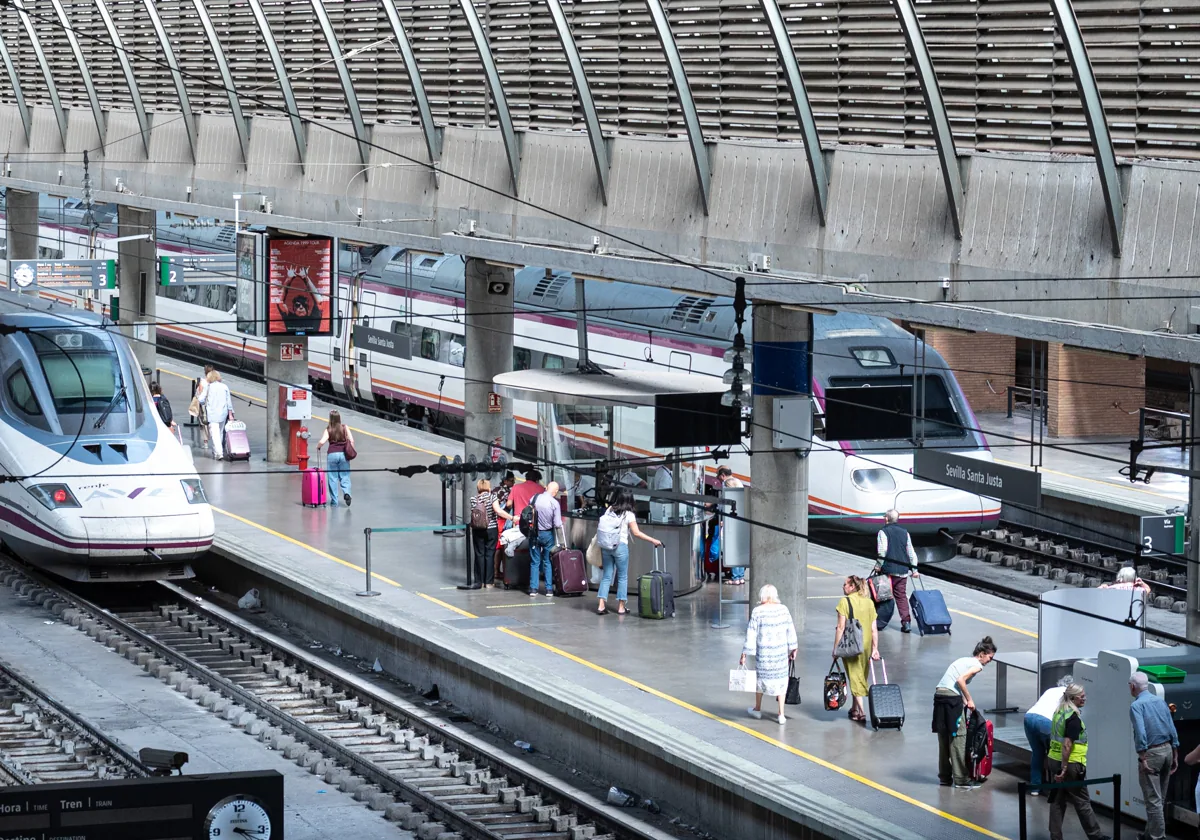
x: 367, y: 532
x: 1115, y: 780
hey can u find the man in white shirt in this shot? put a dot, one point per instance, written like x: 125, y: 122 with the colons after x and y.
x: 1037, y: 730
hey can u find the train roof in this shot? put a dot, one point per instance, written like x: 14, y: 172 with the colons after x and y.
x: 23, y: 311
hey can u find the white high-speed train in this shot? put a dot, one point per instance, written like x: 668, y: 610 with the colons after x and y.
x: 422, y: 296
x: 98, y: 488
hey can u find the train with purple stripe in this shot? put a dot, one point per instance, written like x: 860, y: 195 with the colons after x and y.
x: 96, y: 487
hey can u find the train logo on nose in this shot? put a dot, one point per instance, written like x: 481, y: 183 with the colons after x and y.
x: 117, y: 493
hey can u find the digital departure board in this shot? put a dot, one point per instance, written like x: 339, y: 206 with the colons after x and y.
x: 238, y: 806
x: 62, y: 274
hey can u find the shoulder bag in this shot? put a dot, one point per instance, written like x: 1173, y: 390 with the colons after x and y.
x: 851, y: 643
x: 350, y: 452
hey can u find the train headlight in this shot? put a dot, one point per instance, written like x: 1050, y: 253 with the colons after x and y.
x: 873, y: 481
x: 53, y: 496
x: 194, y: 490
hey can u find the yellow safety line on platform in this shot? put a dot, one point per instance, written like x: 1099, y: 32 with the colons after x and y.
x: 1096, y: 480
x: 326, y: 420
x: 450, y: 607
x: 995, y: 623
x: 819, y: 569
x: 760, y: 736
x: 306, y: 546
x: 515, y: 606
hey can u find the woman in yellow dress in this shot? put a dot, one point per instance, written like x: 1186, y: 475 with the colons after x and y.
x: 857, y: 605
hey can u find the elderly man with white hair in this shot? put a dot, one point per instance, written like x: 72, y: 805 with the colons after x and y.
x: 896, y: 559
x: 1127, y: 579
x: 1157, y: 745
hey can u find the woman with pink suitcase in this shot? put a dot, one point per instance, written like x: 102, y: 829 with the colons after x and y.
x: 341, y: 452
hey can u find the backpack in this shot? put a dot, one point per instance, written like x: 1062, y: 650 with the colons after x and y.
x: 528, y: 521
x: 979, y: 746
x: 164, y: 410
x: 608, y: 532
x: 479, y: 516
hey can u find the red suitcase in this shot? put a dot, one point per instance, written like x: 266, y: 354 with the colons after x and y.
x: 569, y: 568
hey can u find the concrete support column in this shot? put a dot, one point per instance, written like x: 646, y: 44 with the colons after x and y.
x: 292, y: 372
x: 21, y: 224
x: 489, y: 328
x: 779, y: 495
x: 137, y: 281
x: 984, y: 364
x: 1079, y: 406
x: 1193, y: 549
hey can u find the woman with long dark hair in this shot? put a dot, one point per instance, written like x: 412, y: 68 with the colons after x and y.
x: 612, y: 535
x: 337, y: 435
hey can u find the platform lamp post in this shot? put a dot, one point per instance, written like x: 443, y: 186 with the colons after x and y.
x: 735, y: 356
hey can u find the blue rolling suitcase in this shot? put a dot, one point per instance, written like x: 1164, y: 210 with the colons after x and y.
x: 929, y: 609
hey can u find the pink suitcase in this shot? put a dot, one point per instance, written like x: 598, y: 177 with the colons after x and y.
x: 237, y: 441
x: 314, y: 491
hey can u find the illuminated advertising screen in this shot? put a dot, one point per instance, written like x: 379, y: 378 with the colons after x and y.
x: 300, y: 277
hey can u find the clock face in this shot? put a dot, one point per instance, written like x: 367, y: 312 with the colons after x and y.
x: 238, y: 818
x: 23, y: 275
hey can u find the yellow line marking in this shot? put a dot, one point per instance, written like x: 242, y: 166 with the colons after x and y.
x: 515, y: 606
x: 760, y: 736
x: 820, y: 597
x: 305, y: 546
x: 1095, y: 480
x: 326, y: 420
x: 450, y: 607
x: 819, y: 569
x: 996, y: 623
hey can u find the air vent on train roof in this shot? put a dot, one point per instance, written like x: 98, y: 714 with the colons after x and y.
x: 550, y: 285
x: 225, y: 236
x: 690, y: 309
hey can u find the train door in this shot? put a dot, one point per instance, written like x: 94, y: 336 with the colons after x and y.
x: 342, y: 369
x: 366, y: 318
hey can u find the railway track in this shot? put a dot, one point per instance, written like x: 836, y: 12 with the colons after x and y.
x: 42, y: 742
x: 1075, y: 561
x: 388, y: 751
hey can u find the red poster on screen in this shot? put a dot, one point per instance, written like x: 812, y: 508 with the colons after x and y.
x: 300, y: 274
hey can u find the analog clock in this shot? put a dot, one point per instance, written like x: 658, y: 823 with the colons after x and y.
x: 238, y: 818
x: 23, y: 275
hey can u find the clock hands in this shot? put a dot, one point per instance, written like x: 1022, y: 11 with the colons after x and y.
x: 240, y: 830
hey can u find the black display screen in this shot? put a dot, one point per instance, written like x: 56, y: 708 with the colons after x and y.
x: 869, y: 413
x: 689, y: 420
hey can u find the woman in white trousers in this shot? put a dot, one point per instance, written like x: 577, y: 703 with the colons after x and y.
x: 217, y: 403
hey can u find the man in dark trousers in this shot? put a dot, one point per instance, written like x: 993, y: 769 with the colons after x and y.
x: 894, y: 548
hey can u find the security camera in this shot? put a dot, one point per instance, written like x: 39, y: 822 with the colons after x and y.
x: 162, y: 762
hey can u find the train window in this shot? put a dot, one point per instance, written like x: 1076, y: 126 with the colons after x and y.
x: 96, y: 372
x: 522, y: 358
x: 550, y: 362
x: 873, y: 357
x: 430, y: 339
x: 456, y: 351
x: 21, y: 393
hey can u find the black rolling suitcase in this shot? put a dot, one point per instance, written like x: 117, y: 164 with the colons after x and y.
x: 885, y: 702
x: 516, y: 569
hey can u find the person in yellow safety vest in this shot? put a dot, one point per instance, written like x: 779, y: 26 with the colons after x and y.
x: 1068, y: 747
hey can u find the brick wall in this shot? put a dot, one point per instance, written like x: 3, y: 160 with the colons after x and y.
x: 1078, y: 409
x: 977, y: 361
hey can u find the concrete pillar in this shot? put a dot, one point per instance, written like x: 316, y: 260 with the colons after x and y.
x: 984, y: 364
x: 21, y: 224
x: 292, y: 372
x: 1079, y: 408
x: 1193, y: 549
x: 489, y: 333
x: 137, y: 280
x: 779, y: 494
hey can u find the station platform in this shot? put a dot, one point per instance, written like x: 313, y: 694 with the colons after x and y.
x: 657, y: 683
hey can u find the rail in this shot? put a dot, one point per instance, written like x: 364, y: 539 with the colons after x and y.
x: 1024, y: 787
x: 367, y: 532
x: 1035, y: 398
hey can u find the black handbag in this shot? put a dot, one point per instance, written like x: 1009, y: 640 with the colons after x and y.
x: 835, y: 688
x: 793, y: 689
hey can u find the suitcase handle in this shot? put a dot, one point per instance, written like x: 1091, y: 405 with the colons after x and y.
x: 654, y: 551
x: 882, y: 664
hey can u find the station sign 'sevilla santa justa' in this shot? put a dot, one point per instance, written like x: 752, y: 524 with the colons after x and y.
x: 1007, y: 484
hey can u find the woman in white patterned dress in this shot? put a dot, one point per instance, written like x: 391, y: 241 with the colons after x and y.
x: 771, y: 640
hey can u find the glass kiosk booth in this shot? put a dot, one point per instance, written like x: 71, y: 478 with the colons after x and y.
x: 596, y: 431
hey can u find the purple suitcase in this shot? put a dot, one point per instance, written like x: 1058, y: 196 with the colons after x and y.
x: 237, y: 441
x: 314, y: 491
x: 569, y: 568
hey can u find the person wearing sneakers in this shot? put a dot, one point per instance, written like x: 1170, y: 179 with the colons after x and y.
x: 897, y: 557
x: 547, y: 515
x: 771, y: 640
x: 952, y: 705
x: 1068, y: 763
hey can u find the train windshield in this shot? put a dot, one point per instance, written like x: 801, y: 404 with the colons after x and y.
x: 91, y: 380
x: 942, y: 419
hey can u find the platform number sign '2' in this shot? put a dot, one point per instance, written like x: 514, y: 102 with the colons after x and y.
x: 1162, y: 535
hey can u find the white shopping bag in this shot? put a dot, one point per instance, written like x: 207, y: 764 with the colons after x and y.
x: 743, y: 679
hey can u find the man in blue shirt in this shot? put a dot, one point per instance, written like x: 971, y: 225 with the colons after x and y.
x: 548, y: 518
x: 1157, y: 746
